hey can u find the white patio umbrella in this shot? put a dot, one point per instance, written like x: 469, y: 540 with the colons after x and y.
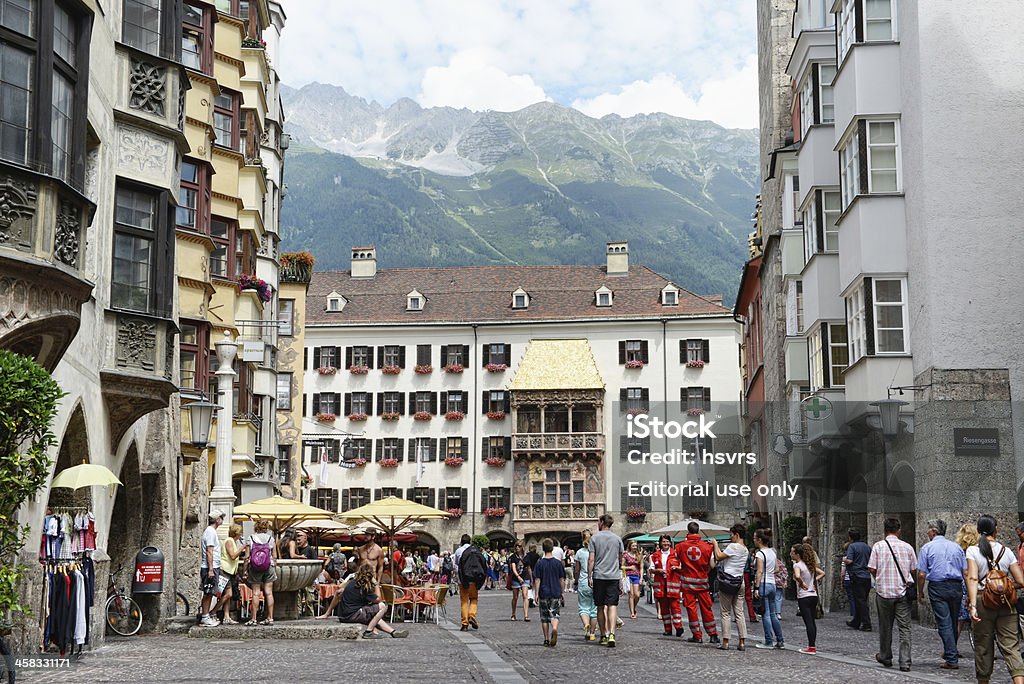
x: 681, y: 525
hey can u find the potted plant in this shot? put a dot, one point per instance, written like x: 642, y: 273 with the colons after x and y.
x: 454, y: 461
x: 296, y: 267
x: 636, y: 514
x: 496, y: 415
x: 306, y: 481
x: 358, y: 370
x: 359, y: 461
x: 261, y: 287
x: 390, y: 416
x: 422, y: 415
x: 454, y: 368
x: 695, y: 363
x: 496, y: 367
x: 424, y: 369
x: 388, y: 463
x: 254, y: 43
x: 391, y: 370
x: 326, y: 370
x: 455, y: 512
x: 495, y: 512
x: 357, y: 417
x: 326, y: 417
x: 694, y: 411
x: 454, y: 415
x: 495, y: 461
x: 635, y: 363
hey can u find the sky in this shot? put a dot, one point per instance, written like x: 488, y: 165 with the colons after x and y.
x: 690, y: 58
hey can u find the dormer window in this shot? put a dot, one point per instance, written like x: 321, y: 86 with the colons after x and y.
x: 670, y: 296
x: 414, y: 301
x: 335, y: 302
x: 520, y: 300
x: 603, y: 296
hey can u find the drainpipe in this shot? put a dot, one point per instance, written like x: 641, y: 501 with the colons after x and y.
x: 664, y: 408
x: 476, y: 418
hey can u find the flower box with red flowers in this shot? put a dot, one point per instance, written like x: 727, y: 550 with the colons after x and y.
x: 389, y: 463
x: 390, y: 416
x: 358, y: 462
x: 636, y: 411
x: 425, y: 369
x: 358, y: 370
x: 454, y: 461
x: 636, y: 514
x: 694, y: 411
x: 496, y: 415
x: 455, y: 512
x: 454, y: 368
x: 454, y: 415
x: 496, y: 367
x: 422, y: 415
x: 695, y: 363
x: 262, y: 288
x: 326, y: 417
x: 497, y: 512
x: 357, y: 417
x: 495, y: 461
x: 306, y: 480
x: 635, y: 363
x: 326, y: 370
x: 391, y: 370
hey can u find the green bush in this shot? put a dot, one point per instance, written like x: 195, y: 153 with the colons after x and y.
x: 28, y: 404
x: 481, y: 541
x: 794, y: 529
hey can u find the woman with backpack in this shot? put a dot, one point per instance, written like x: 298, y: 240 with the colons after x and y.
x: 261, y: 573
x: 991, y: 598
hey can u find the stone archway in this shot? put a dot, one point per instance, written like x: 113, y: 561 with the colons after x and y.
x: 74, y: 450
x: 124, y: 538
x: 500, y: 539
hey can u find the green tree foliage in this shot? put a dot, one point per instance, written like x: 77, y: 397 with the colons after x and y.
x: 481, y: 540
x: 28, y: 404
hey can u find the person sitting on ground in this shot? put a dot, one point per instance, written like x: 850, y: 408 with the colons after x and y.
x: 361, y: 605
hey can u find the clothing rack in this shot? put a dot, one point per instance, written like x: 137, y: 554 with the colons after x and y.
x: 66, y: 601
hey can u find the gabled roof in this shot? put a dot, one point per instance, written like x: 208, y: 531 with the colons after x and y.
x: 557, y: 365
x: 483, y: 294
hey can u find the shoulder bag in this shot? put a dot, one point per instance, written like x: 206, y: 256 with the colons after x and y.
x: 909, y: 591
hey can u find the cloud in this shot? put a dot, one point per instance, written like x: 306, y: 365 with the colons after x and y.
x: 730, y: 101
x: 471, y: 81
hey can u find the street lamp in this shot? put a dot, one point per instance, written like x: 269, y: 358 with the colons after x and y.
x: 889, y: 415
x: 200, y: 418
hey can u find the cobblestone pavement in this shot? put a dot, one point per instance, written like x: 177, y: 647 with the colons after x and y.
x: 506, y: 652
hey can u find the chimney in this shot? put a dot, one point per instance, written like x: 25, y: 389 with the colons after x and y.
x: 618, y: 258
x: 364, y: 262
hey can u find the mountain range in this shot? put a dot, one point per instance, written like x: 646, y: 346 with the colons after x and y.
x: 543, y: 185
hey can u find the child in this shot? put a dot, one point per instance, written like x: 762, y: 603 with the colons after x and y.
x: 548, y: 583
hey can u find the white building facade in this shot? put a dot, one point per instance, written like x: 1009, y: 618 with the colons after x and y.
x: 495, y: 389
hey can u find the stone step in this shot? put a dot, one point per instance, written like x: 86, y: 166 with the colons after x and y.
x: 289, y: 629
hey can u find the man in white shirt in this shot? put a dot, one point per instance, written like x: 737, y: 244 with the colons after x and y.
x: 209, y: 567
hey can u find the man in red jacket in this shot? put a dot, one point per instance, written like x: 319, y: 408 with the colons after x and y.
x: 665, y: 578
x: 694, y: 554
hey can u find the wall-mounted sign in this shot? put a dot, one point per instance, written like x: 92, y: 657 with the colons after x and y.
x: 975, y: 442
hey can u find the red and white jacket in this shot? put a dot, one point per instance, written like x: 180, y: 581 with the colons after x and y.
x: 694, y: 554
x: 666, y: 584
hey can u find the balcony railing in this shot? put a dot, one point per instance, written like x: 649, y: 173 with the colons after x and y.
x: 577, y: 510
x: 558, y: 441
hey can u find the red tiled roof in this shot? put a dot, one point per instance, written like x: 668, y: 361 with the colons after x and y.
x: 484, y: 294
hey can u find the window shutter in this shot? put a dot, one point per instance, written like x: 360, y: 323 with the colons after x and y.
x: 305, y: 410
x: 316, y: 357
x: 622, y: 352
x: 412, y: 450
x: 815, y: 96
x: 506, y: 498
x: 398, y: 449
x: 380, y: 404
x: 623, y: 499
x: 682, y: 399
x: 344, y: 501
x: 430, y: 496
x: 645, y: 398
x: 869, y: 316
x: 707, y: 398
x: 433, y: 403
x: 444, y: 402
x: 377, y: 494
x: 485, y: 355
x: 862, y: 153
x: 348, y: 403
x: 422, y: 354
x: 464, y: 499
x: 444, y: 354
x: 506, y: 447
x: 682, y: 351
x: 483, y: 499
x: 858, y: 15
x: 485, y: 401
x: 380, y: 450
x: 622, y: 398
x: 369, y: 357
x: 316, y: 404
x: 826, y: 365
x: 348, y: 357
x: 305, y: 359
x: 643, y: 351
x: 433, y: 448
x: 706, y: 350
x: 508, y: 353
x: 412, y: 403
x: 444, y: 448
x: 401, y: 356
x: 508, y: 402
x: 401, y: 403
x: 484, y: 447
x: 380, y: 357
x: 623, y: 447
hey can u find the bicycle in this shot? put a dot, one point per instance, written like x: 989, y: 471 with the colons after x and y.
x: 181, y: 605
x: 124, y: 616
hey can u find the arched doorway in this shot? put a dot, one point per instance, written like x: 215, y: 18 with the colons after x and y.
x: 500, y: 540
x: 426, y: 542
x: 74, y: 450
x: 126, y: 522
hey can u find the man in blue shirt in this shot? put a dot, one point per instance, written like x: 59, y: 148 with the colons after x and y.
x: 856, y: 561
x: 548, y: 583
x: 942, y: 563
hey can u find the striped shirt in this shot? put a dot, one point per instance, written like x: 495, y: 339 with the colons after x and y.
x: 888, y: 583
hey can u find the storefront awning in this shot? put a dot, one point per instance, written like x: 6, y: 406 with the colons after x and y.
x: 557, y: 365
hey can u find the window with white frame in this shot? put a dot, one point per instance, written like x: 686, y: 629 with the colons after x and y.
x: 838, y: 354
x: 849, y: 169
x: 890, y: 319
x: 821, y: 232
x: 806, y: 104
x: 878, y: 21
x: 816, y: 357
x: 817, y: 102
x: 361, y: 403
x: 799, y: 287
x: 856, y: 322
x: 846, y: 29
x: 670, y: 297
x: 604, y: 297
x: 866, y: 21
x: 391, y: 402
x: 284, y: 391
x: 826, y: 98
x: 285, y: 317
x: 882, y: 148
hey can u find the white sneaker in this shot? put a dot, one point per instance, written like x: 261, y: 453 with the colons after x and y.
x: 210, y: 621
x: 228, y: 621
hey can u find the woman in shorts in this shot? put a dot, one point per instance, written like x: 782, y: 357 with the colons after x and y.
x: 518, y: 581
x: 361, y: 605
x: 632, y: 561
x: 262, y: 581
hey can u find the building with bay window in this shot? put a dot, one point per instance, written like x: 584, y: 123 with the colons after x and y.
x: 495, y: 391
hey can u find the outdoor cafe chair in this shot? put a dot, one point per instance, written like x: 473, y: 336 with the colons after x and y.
x: 394, y: 595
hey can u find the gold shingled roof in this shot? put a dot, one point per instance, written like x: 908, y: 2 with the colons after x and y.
x: 557, y: 364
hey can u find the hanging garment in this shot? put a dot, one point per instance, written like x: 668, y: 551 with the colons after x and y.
x: 68, y: 530
x: 90, y: 532
x: 80, y: 617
